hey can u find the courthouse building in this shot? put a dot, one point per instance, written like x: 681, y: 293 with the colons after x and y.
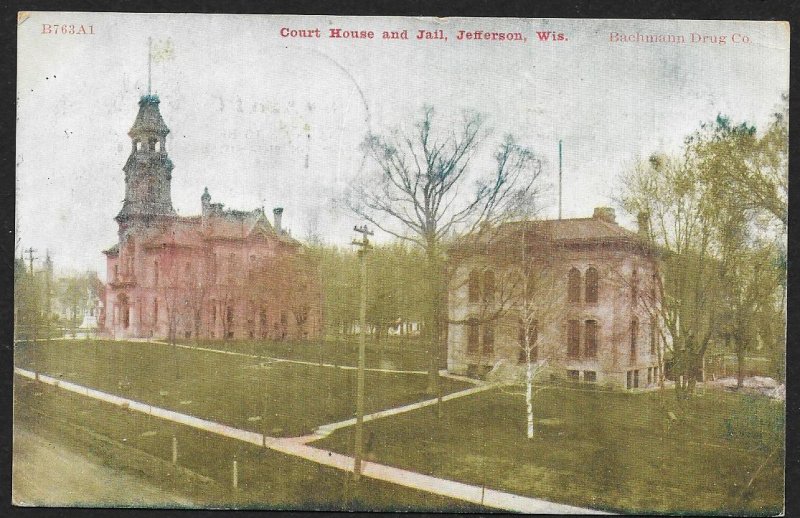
x: 221, y: 274
x: 590, y: 305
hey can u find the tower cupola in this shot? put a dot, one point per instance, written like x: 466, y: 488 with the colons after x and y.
x: 148, y: 171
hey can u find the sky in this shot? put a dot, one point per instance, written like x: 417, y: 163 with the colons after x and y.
x: 265, y: 121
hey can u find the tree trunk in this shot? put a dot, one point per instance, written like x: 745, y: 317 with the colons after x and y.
x: 739, y: 364
x: 529, y: 393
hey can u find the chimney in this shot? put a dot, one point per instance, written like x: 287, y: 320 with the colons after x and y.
x: 643, y: 222
x: 205, y: 203
x: 605, y: 214
x: 278, y: 212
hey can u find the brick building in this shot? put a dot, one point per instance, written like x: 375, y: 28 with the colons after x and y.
x: 592, y: 315
x: 222, y: 274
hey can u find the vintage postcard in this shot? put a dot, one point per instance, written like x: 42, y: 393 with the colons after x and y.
x: 387, y: 263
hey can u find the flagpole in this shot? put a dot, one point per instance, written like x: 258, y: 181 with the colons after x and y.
x: 559, y: 178
x: 149, y: 62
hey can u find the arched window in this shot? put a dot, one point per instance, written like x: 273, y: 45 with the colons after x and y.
x: 634, y: 285
x: 573, y: 339
x: 654, y: 290
x: 488, y: 286
x: 474, y: 286
x: 473, y: 335
x: 634, y: 335
x: 590, y: 338
x: 488, y: 338
x: 653, y: 335
x: 592, y: 282
x: 574, y: 285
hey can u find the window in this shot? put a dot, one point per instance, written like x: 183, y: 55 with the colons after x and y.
x: 634, y: 285
x: 573, y: 375
x: 573, y: 339
x: 634, y: 334
x: 488, y: 286
x: 629, y: 380
x: 473, y: 335
x: 590, y: 338
x: 116, y: 272
x: 158, y: 146
x: 591, y: 285
x: 155, y: 274
x: 533, y: 336
x: 649, y: 375
x: 636, y: 379
x: 653, y: 336
x: 474, y: 286
x: 155, y: 312
x: 138, y: 145
x: 574, y: 285
x: 488, y: 338
x: 653, y: 290
x: 589, y: 376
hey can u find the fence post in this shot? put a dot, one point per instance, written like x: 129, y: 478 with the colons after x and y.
x: 235, y: 473
x: 174, y: 450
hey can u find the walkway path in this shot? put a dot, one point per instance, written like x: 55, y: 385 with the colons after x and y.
x: 468, y: 493
x: 327, y: 429
x: 282, y: 360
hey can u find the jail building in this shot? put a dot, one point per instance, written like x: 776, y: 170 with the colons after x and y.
x: 580, y: 295
x: 220, y: 274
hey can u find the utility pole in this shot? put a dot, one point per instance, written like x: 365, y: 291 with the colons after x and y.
x: 364, y: 247
x: 30, y: 252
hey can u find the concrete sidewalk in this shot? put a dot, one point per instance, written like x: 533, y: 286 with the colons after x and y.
x: 457, y: 490
x: 327, y: 429
x: 282, y: 360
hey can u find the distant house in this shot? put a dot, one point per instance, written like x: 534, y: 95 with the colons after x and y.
x: 222, y: 274
x: 590, y: 316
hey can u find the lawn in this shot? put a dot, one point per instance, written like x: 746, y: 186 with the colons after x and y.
x: 276, y: 398
x: 387, y: 353
x: 267, y: 479
x: 722, y: 453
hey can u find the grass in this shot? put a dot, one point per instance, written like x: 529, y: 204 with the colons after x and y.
x: 722, y: 454
x: 279, y: 399
x: 388, y: 353
x: 267, y: 479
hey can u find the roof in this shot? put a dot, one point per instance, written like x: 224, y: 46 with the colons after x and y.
x: 149, y: 119
x: 114, y: 250
x: 576, y: 231
x: 224, y: 225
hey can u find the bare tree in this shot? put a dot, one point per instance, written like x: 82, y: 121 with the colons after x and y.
x: 422, y: 194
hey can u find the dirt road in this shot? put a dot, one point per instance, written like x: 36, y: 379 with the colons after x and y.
x: 50, y: 474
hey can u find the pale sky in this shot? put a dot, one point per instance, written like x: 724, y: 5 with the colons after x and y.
x: 248, y: 108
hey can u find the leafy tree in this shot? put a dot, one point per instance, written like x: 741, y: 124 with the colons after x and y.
x: 671, y: 199
x: 721, y: 274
